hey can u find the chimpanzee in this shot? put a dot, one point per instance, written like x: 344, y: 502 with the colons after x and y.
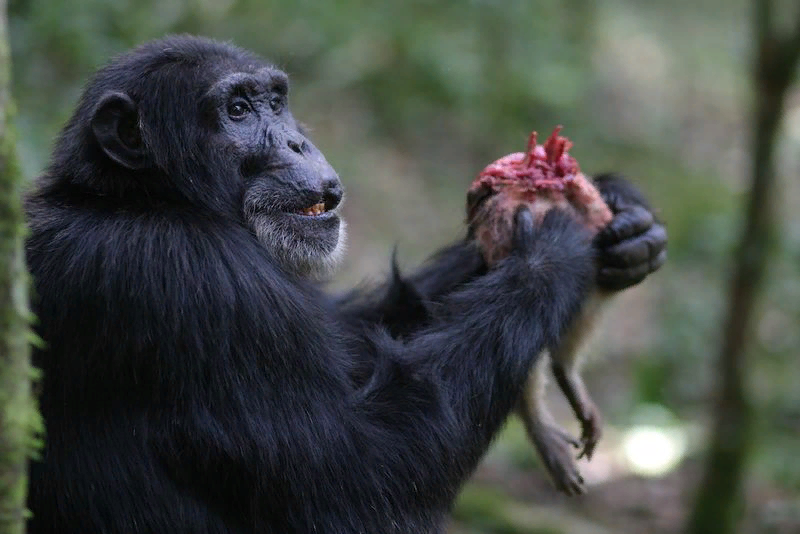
x: 197, y: 379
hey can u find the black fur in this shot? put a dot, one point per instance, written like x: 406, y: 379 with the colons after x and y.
x: 195, y: 384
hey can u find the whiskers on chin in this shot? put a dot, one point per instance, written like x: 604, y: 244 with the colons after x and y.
x: 304, y: 255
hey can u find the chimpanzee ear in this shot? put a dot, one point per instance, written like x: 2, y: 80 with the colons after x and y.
x: 115, y: 123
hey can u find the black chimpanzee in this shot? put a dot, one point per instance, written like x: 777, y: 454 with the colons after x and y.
x: 197, y: 379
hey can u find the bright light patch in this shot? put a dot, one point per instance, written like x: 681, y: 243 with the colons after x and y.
x: 653, y: 451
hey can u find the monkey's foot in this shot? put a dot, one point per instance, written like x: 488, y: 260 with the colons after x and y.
x: 555, y: 449
x: 591, y: 428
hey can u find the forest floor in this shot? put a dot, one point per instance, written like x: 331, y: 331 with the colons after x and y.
x: 511, y: 501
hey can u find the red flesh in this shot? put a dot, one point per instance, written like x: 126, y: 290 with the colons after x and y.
x: 540, y: 167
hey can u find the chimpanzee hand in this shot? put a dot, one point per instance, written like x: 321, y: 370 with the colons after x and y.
x: 558, y: 244
x: 634, y: 244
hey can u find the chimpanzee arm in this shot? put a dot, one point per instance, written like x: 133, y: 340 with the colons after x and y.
x: 479, y: 349
x: 391, y: 455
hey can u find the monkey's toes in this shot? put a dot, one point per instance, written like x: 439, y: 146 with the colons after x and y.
x: 554, y: 447
x: 592, y: 431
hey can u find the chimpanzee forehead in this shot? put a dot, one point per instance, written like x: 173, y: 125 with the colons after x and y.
x: 207, y: 61
x: 259, y: 80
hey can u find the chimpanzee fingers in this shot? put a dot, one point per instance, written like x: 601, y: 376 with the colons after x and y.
x: 619, y: 278
x: 618, y: 192
x: 659, y: 261
x: 639, y: 249
x: 524, y: 230
x: 558, y: 222
x: 629, y: 222
x: 557, y: 231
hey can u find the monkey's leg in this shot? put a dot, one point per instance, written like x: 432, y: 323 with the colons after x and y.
x: 565, y: 363
x: 571, y: 384
x: 554, y: 445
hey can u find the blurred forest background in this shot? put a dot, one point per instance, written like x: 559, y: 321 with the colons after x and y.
x: 409, y: 100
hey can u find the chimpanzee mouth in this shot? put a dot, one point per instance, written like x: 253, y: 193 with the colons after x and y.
x: 324, y: 207
x: 317, y: 210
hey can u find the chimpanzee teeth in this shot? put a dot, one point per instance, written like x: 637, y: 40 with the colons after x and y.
x: 316, y: 209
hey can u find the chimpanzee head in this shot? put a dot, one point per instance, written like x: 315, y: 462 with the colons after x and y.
x: 191, y: 123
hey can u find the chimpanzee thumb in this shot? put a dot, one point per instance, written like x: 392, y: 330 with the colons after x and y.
x: 524, y: 231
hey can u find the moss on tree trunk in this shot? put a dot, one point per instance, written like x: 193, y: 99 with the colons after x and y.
x: 19, y: 423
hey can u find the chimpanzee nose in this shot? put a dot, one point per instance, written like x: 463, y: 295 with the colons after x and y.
x: 298, y: 147
x: 332, y: 192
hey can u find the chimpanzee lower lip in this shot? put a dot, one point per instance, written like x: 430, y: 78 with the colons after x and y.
x: 321, y: 217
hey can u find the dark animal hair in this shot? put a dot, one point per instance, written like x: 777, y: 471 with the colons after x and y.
x: 193, y: 385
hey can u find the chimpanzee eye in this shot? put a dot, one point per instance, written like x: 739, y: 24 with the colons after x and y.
x: 276, y: 103
x: 237, y: 109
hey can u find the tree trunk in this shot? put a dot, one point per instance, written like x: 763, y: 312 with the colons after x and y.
x: 719, y: 503
x: 19, y: 420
